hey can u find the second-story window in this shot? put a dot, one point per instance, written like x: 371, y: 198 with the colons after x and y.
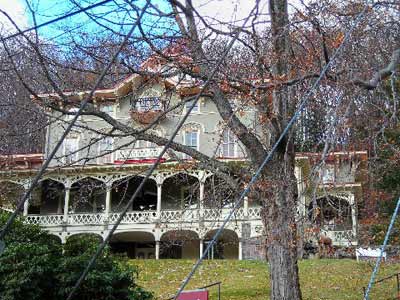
x: 144, y: 144
x: 71, y: 113
x: 71, y: 146
x: 327, y: 174
x: 191, y: 139
x: 196, y: 108
x: 107, y: 108
x: 105, y: 150
x: 229, y: 144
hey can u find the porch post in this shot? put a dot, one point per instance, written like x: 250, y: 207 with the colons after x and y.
x: 353, y: 214
x: 26, y: 206
x: 240, y: 249
x: 26, y: 203
x: 201, y: 247
x: 246, y: 207
x: 159, y: 194
x: 157, y: 249
x: 201, y: 199
x: 202, y: 180
x: 66, y: 204
x: 108, y: 202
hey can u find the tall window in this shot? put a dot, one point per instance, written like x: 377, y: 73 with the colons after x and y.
x: 105, y: 150
x: 229, y: 144
x: 71, y: 146
x: 191, y: 139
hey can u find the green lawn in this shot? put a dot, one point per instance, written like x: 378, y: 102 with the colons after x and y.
x: 320, y: 279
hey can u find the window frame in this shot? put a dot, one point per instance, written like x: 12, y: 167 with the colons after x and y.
x: 197, y: 134
x: 233, y: 143
x: 75, y: 158
x: 110, y: 113
x: 196, y: 108
x: 101, y: 152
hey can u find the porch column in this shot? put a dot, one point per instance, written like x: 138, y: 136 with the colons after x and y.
x: 159, y: 194
x: 353, y: 215
x: 201, y: 247
x: 301, y: 204
x: 240, y: 249
x: 246, y: 207
x: 66, y: 204
x: 26, y: 206
x: 108, y: 202
x: 26, y: 203
x: 157, y: 249
x: 201, y: 198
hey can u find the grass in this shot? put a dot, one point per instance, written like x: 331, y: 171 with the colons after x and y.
x: 319, y: 279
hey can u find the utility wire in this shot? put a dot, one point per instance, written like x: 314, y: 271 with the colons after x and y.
x: 378, y: 261
x: 40, y: 173
x: 157, y: 162
x: 57, y: 19
x: 273, y: 149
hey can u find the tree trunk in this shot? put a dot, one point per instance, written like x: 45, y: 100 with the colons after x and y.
x: 279, y: 211
x: 278, y: 186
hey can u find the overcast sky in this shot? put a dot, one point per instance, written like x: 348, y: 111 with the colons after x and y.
x: 16, y: 10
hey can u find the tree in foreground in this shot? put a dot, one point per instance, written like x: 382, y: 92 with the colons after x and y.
x: 36, y: 266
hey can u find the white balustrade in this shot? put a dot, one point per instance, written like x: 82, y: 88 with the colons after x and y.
x: 138, y: 153
x: 188, y: 215
x: 45, y: 220
x: 135, y: 217
x: 254, y: 212
x: 141, y: 217
x: 78, y: 219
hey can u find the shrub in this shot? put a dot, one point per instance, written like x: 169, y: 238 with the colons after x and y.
x: 35, y: 265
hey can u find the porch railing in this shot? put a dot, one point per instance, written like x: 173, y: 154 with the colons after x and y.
x: 143, y: 217
x: 44, y: 220
x: 135, y: 217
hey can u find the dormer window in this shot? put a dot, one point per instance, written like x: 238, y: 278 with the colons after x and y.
x: 147, y: 109
x: 147, y: 104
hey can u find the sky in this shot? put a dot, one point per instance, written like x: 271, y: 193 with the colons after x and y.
x: 217, y: 11
x: 16, y: 10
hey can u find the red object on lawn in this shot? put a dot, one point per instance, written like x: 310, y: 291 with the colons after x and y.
x: 194, y: 295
